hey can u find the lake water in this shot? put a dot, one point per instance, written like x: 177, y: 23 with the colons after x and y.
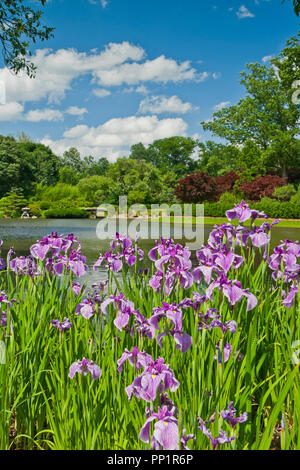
x: 22, y: 233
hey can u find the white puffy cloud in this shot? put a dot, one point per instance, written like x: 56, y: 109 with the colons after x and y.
x: 114, y: 137
x: 243, y: 12
x: 11, y: 111
x: 76, y: 111
x: 163, y: 104
x: 139, y: 89
x: 101, y: 92
x: 142, y: 89
x: 117, y: 64
x: 161, y: 70
x: 37, y: 115
x: 221, y: 105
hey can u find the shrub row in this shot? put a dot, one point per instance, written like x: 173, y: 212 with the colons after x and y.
x: 274, y: 209
x: 67, y: 213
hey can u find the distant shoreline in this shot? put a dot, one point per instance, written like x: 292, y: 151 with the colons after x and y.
x: 284, y: 223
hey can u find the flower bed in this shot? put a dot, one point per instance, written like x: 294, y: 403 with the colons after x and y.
x: 169, y: 358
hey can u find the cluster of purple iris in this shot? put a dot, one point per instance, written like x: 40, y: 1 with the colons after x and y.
x: 156, y: 378
x: 227, y: 415
x: 58, y: 252
x: 283, y: 263
x: 5, y: 304
x: 122, y: 250
x: 90, y: 305
x: 2, y: 262
x: 133, y: 321
x: 172, y: 263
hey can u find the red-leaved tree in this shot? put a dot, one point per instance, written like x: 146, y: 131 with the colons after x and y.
x: 226, y: 182
x: 260, y: 187
x: 197, y: 187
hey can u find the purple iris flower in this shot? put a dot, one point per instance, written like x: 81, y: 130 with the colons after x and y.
x: 3, y: 319
x: 217, y: 260
x: 122, y: 250
x: 195, y: 303
x: 136, y: 359
x: 229, y: 325
x: 173, y: 263
x: 142, y: 326
x: 86, y: 308
x: 121, y: 241
x: 54, y: 245
x: 166, y: 432
x: 173, y: 313
x: 126, y: 250
x: 170, y: 311
x: 62, y: 325
x: 157, y: 376
x: 3, y: 312
x: 85, y: 367
x: 24, y: 266
x: 259, y: 238
x: 215, y: 442
x: 183, y: 341
x: 242, y: 212
x: 77, y: 263
x: 233, y: 290
x: 220, y: 234
x: 185, y: 438
x: 2, y: 264
x: 112, y: 262
x: 229, y: 415
x: 290, y: 298
x: 227, y: 260
x: 166, y: 401
x: 76, y: 288
x: 124, y: 308
x: 227, y: 350
x: 40, y: 250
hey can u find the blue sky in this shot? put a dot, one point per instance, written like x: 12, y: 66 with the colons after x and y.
x: 119, y: 72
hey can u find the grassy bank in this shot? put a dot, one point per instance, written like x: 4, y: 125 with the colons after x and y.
x: 284, y: 223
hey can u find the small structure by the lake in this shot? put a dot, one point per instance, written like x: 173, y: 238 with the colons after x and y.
x: 97, y: 212
x: 25, y: 213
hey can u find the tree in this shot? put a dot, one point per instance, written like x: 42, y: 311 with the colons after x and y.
x: 72, y: 159
x: 95, y: 167
x: 172, y: 153
x: 68, y: 176
x: 197, y: 187
x: 44, y: 163
x: 12, y: 204
x: 251, y: 160
x: 15, y: 171
x: 226, y: 182
x: 263, y: 186
x: 216, y: 158
x: 283, y: 153
x: 94, y: 188
x: 140, y: 152
x: 268, y: 108
x: 20, y: 26
x: 296, y: 4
